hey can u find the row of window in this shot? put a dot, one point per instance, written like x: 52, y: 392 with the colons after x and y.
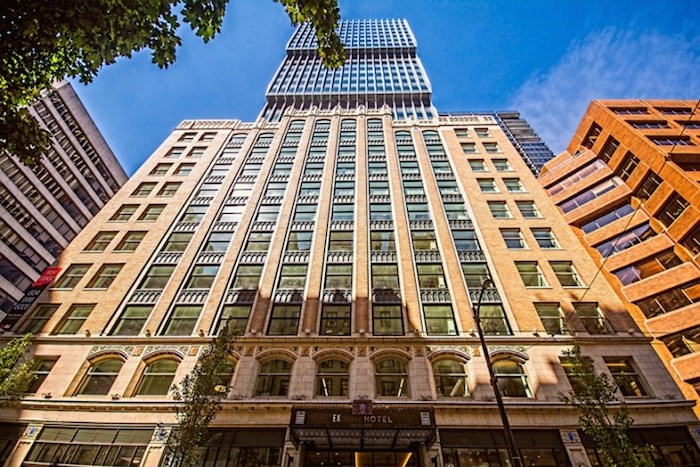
x: 391, y: 377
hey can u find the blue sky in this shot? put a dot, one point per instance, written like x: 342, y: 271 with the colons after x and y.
x: 545, y: 58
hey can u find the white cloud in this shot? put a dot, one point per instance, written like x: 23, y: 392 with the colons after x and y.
x: 608, y: 64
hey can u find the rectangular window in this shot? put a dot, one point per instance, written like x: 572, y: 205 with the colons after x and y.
x: 207, y: 137
x: 492, y: 148
x: 424, y: 240
x: 105, y: 276
x: 202, y: 276
x: 299, y: 241
x: 465, y: 240
x: 462, y: 132
x: 413, y: 188
x: 100, y: 241
x: 493, y: 320
x: 345, y: 168
x: 692, y: 241
x: 247, y: 276
x: 648, y: 267
x: 160, y: 169
x: 178, y: 241
x: 196, y: 152
x: 469, y: 148
x: 284, y: 320
x: 218, y: 242
x: 335, y: 320
x: 184, y: 169
x: 268, y: 213
x: 552, y: 318
x: 313, y: 168
x: 175, y: 152
x: 382, y: 240
x: 514, y: 185
x: 132, y: 320
x: 477, y: 165
x: 455, y: 212
x: 41, y: 369
x: 282, y: 169
x: 340, y: 241
x: 344, y: 189
x: 208, y: 190
x: 671, y: 140
x: 229, y: 213
x: 439, y: 320
x: 305, y: 213
x: 626, y: 240
x: 576, y: 372
x: 626, y: 376
x: 530, y: 273
x: 565, y: 272
x: 124, y: 212
x: 187, y: 137
x: 130, y: 241
x: 72, y: 276
x: 629, y: 163
x: 387, y: 320
x: 182, y: 320
x: 236, y: 318
x: 592, y: 317
x: 144, y: 189
x: 513, y: 239
x: 379, y: 212
x: 258, y: 241
x: 385, y: 276
x: 545, y: 238
x: 75, y: 319
x: 609, y: 148
x: 672, y: 209
x: 378, y: 188
x: 499, y: 209
x: 195, y: 213
x: 376, y: 168
x: 475, y: 274
x: 310, y: 189
x: 605, y: 219
x: 169, y: 189
x: 152, y: 212
x: 293, y: 276
x: 409, y: 167
x: 589, y: 195
x: 670, y: 300
x: 431, y: 276
x: 528, y: 209
x: 482, y: 132
x: 502, y: 165
x: 487, y: 185
x: 648, y: 186
x: 342, y: 212
x: 41, y: 315
x: 157, y: 277
x: 448, y: 187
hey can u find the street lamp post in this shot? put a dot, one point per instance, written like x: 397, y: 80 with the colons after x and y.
x: 510, y: 440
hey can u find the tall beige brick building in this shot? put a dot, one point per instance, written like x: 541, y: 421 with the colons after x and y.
x: 630, y: 191
x: 348, y: 246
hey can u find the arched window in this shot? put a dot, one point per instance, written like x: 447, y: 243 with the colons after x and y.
x: 450, y: 378
x: 222, y: 379
x: 348, y: 123
x: 296, y: 125
x: 100, y: 376
x: 157, y: 377
x: 431, y: 134
x: 374, y: 121
x: 265, y: 138
x: 403, y: 135
x: 512, y: 381
x: 332, y: 378
x: 273, y: 379
x: 391, y: 378
x: 238, y: 138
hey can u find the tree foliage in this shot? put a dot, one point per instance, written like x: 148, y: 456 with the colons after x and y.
x: 601, y: 415
x: 199, y: 395
x: 43, y: 42
x: 15, y: 369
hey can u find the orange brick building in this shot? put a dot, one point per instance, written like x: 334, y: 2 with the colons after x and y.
x: 629, y: 187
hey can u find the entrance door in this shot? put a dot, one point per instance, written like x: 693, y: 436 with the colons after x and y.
x: 360, y: 459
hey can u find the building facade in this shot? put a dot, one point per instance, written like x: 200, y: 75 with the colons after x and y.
x: 630, y: 191
x: 347, y: 248
x: 45, y: 207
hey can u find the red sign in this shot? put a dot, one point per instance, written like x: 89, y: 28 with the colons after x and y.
x: 46, y: 277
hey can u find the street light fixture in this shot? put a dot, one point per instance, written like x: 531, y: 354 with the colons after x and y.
x: 513, y: 452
